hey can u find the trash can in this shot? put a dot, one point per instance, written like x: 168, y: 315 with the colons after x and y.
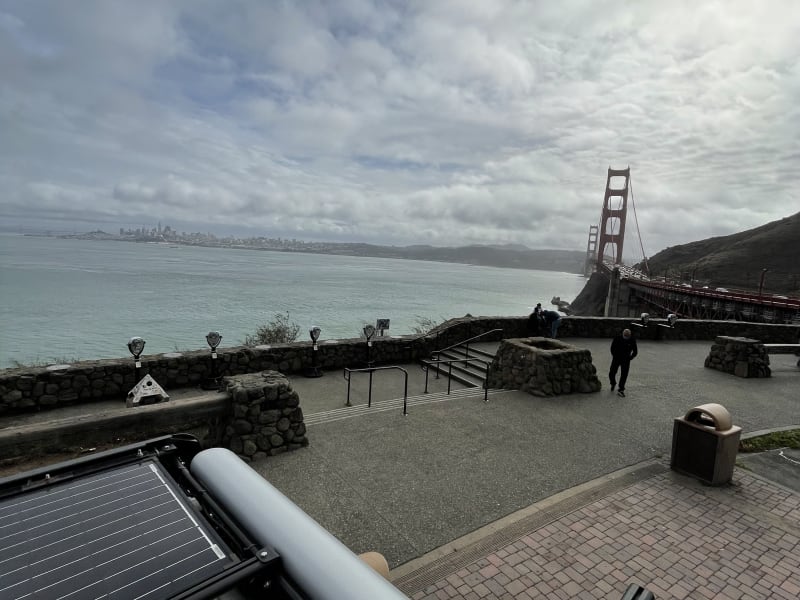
x: 705, y: 443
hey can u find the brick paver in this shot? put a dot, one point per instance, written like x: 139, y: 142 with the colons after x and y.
x: 676, y: 537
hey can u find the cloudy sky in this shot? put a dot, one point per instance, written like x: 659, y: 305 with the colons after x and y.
x: 438, y: 122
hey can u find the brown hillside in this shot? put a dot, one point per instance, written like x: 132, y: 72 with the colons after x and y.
x: 736, y: 261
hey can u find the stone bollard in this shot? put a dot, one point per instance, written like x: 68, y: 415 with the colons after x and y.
x: 743, y: 357
x: 266, y: 416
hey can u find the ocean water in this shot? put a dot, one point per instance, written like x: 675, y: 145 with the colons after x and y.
x: 66, y: 299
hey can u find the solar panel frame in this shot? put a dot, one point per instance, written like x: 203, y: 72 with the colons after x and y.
x: 118, y: 534
x: 117, y: 526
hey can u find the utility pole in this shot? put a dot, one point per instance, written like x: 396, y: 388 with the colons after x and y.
x: 761, y: 283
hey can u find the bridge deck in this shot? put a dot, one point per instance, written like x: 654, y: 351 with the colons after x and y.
x: 648, y: 295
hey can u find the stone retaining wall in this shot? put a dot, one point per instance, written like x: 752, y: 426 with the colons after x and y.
x: 266, y: 416
x: 42, y: 388
x: 744, y: 357
x: 30, y: 390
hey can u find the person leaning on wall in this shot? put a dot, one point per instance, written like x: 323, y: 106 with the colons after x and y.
x: 552, y: 320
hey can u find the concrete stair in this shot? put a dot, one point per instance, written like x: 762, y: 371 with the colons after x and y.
x: 394, y: 404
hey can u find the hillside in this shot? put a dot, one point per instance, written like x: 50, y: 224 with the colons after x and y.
x: 736, y: 261
x: 519, y: 257
x: 569, y: 261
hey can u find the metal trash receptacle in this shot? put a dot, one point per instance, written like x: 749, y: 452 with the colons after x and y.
x: 705, y: 444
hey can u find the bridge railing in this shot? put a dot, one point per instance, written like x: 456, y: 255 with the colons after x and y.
x: 729, y: 295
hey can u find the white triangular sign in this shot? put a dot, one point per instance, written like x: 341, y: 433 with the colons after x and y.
x: 147, y: 391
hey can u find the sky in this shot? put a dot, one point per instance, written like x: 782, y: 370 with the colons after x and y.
x: 400, y: 122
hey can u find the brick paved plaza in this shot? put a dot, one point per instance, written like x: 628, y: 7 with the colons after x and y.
x: 675, y: 536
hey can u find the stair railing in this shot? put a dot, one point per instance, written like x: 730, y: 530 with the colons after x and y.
x: 371, y: 370
x: 449, y: 362
x: 436, y: 353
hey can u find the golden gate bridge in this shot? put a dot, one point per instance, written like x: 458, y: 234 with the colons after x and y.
x: 633, y: 291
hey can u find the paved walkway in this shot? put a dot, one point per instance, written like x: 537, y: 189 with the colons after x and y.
x: 473, y: 499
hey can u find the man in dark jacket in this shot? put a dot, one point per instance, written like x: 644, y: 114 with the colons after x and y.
x: 623, y: 351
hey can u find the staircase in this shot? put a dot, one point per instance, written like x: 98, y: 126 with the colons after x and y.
x: 471, y: 374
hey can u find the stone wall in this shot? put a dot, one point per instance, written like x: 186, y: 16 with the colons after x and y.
x: 266, y: 416
x: 42, y: 388
x: 543, y: 367
x: 744, y: 357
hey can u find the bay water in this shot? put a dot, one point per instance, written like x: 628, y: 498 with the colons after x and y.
x: 63, y: 300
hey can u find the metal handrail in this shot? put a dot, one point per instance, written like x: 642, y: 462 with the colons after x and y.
x: 436, y: 332
x: 426, y: 364
x: 371, y: 370
x: 465, y: 343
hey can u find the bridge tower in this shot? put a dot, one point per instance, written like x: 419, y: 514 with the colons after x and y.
x: 615, y: 208
x: 591, y: 251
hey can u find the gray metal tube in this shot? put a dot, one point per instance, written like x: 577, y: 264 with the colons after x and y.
x: 324, y: 567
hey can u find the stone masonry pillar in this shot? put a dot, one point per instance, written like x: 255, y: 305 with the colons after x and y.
x: 266, y: 418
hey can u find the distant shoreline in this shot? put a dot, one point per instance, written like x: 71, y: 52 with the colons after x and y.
x: 510, y: 257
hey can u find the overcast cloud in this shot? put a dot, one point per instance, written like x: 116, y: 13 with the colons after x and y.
x: 436, y: 122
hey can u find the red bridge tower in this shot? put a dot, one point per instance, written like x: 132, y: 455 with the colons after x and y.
x: 612, y: 220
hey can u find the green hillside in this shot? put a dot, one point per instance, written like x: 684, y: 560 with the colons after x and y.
x: 737, y: 260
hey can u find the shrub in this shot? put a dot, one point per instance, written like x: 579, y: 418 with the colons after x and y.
x: 424, y: 325
x: 43, y: 362
x: 278, y: 331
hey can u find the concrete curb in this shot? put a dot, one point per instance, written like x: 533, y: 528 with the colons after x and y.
x: 760, y: 432
x: 101, y: 426
x: 448, y: 558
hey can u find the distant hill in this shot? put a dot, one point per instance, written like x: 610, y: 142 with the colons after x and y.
x: 516, y: 257
x: 737, y: 260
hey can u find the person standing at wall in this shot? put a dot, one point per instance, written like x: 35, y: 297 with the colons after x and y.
x: 623, y: 351
x: 533, y: 326
x: 536, y: 322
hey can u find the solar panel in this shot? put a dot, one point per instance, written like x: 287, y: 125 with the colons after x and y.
x: 121, y: 533
x: 161, y: 520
